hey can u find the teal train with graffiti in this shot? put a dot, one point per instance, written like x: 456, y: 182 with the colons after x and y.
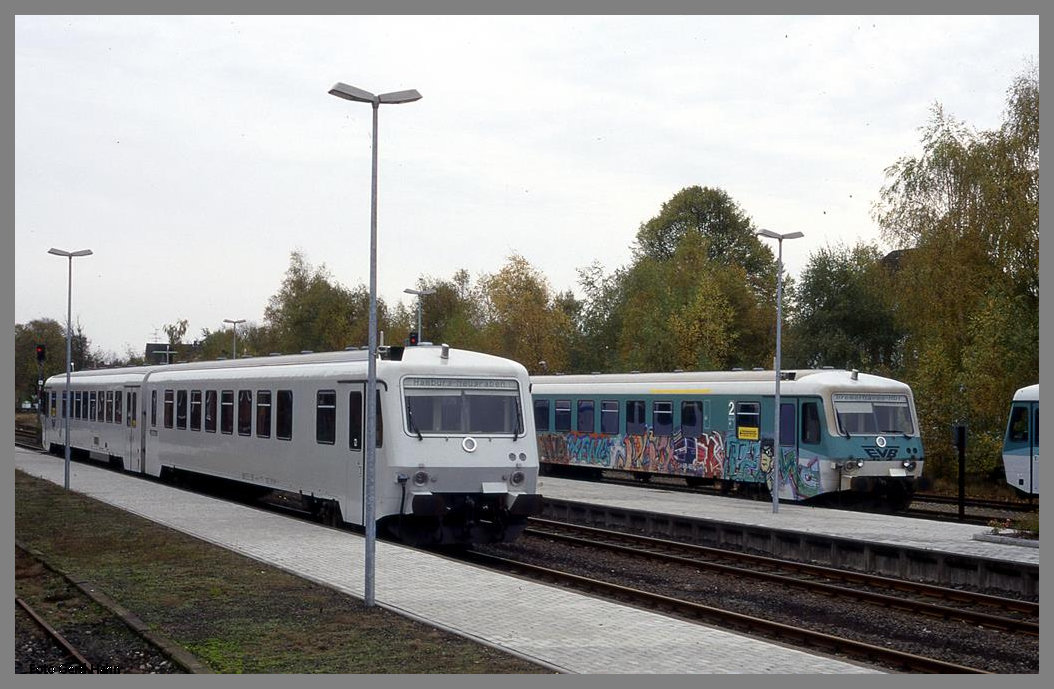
x: 844, y: 436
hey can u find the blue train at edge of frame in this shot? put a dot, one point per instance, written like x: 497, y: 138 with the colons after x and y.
x: 844, y: 435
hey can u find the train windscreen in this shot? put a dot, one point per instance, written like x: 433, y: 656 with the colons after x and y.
x: 462, y: 405
x: 873, y: 414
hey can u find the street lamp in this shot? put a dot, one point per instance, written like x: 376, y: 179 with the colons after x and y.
x: 779, y: 322
x: 234, y: 335
x: 342, y: 90
x: 420, y: 293
x: 69, y: 348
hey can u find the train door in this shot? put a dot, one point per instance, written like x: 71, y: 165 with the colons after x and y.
x: 132, y: 451
x: 356, y: 481
x: 787, y: 447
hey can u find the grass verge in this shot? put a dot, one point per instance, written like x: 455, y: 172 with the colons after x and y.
x: 234, y: 613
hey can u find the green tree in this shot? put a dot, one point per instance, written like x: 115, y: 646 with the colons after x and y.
x: 522, y: 320
x: 312, y: 312
x: 965, y: 212
x: 699, y: 292
x: 844, y: 317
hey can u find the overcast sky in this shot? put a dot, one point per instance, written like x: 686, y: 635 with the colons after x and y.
x: 193, y: 154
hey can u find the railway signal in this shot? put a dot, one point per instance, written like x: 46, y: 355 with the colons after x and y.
x: 42, y: 353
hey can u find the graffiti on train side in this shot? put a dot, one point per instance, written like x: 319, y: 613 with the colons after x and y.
x: 710, y: 455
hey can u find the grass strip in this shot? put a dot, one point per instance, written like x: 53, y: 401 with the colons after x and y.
x: 234, y: 613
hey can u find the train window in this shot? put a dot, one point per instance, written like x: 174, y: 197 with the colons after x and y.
x: 635, y: 423
x: 541, y: 415
x: 210, y: 411
x: 181, y: 409
x: 691, y: 419
x: 748, y: 420
x: 170, y: 408
x: 263, y: 413
x: 91, y: 405
x: 245, y: 412
x: 284, y: 415
x: 1035, y: 427
x: 662, y: 418
x: 609, y: 417
x: 118, y: 402
x: 227, y: 411
x: 102, y: 406
x: 109, y: 406
x: 53, y: 405
x: 326, y: 417
x: 133, y: 405
x: 153, y: 408
x: 195, y: 410
x: 76, y: 405
x: 63, y: 404
x: 810, y: 423
x: 586, y: 422
x: 563, y: 415
x: 1017, y: 431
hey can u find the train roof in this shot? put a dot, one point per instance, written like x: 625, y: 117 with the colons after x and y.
x: 686, y: 382
x: 1029, y: 393
x: 420, y: 358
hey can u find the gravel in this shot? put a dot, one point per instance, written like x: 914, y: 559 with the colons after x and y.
x: 955, y: 642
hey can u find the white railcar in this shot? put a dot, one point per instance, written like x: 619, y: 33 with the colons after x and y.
x: 456, y: 460
x: 1021, y: 442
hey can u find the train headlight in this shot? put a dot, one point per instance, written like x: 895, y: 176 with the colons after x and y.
x: 909, y: 464
x: 420, y: 478
x: 512, y: 456
x: 517, y: 478
x: 523, y: 456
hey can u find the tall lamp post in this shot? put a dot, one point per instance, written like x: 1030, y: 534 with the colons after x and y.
x: 69, y: 348
x: 342, y: 90
x: 234, y: 335
x: 420, y: 293
x: 779, y: 324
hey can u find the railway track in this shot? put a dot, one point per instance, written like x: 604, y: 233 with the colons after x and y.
x: 1008, y: 614
x: 78, y: 664
x: 728, y: 619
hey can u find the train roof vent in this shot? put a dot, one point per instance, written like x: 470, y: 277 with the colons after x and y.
x: 594, y: 373
x: 307, y: 351
x: 757, y: 368
x: 827, y: 368
x: 275, y: 354
x: 737, y: 368
x: 788, y: 375
x: 350, y: 348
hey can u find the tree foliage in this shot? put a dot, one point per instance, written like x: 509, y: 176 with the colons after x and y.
x: 965, y: 213
x: 312, y: 312
x: 844, y: 315
x: 522, y: 319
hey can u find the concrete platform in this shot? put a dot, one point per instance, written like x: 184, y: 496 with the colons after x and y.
x: 559, y: 629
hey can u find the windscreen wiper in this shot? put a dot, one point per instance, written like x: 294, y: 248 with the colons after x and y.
x: 413, y: 425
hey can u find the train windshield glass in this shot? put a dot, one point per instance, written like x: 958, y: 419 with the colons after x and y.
x: 873, y: 414
x: 462, y: 405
